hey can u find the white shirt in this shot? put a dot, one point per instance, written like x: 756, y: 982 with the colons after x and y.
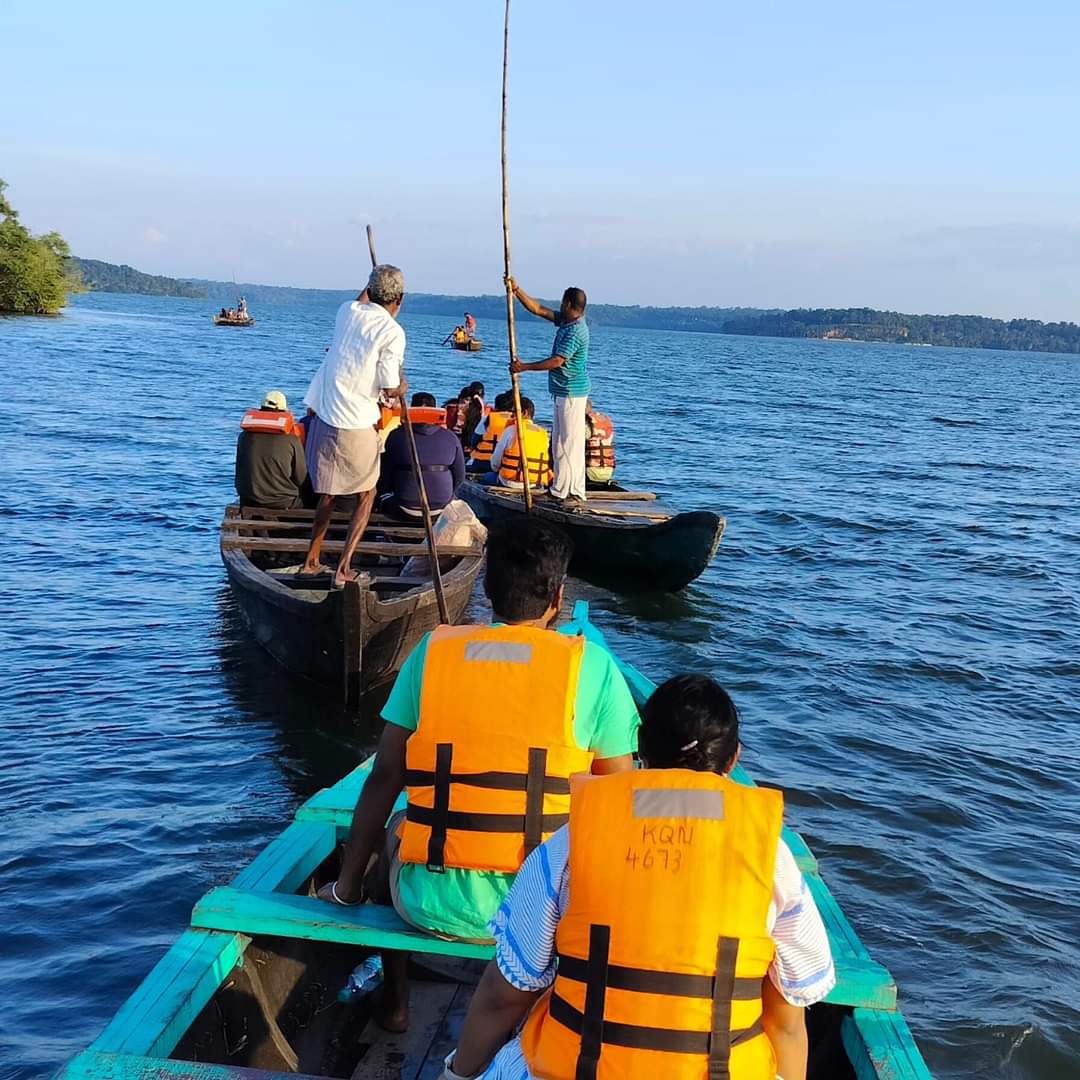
x: 365, y: 357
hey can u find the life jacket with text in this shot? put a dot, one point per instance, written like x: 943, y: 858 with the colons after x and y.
x: 600, y: 445
x: 484, y: 789
x: 537, y: 457
x: 496, y: 425
x: 665, y: 942
x: 271, y: 422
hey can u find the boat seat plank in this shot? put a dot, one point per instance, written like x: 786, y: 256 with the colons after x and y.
x: 336, y: 547
x: 290, y: 859
x: 880, y: 1046
x: 448, y: 1035
x: 323, y: 581
x: 401, y: 1057
x: 258, y: 513
x: 305, y: 917
x: 166, y: 1003
x: 94, y: 1065
x: 246, y: 525
x: 620, y: 496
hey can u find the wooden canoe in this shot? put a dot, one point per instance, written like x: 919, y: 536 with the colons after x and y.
x: 472, y: 345
x: 252, y: 985
x: 625, y: 543
x: 353, y: 637
x: 219, y: 321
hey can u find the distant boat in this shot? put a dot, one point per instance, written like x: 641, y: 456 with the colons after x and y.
x: 468, y: 345
x: 234, y: 320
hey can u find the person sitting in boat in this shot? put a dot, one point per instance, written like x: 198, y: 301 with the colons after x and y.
x: 442, y: 462
x: 224, y: 314
x: 488, y: 432
x: 553, y: 705
x: 470, y: 412
x: 459, y: 337
x: 506, y: 470
x: 270, y: 467
x: 470, y: 326
x: 670, y: 883
x: 599, y: 446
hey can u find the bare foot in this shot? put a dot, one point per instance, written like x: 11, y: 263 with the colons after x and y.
x: 311, y: 569
x: 343, y: 576
x: 393, y: 1019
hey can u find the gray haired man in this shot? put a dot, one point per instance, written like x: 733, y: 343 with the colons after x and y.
x: 364, y: 362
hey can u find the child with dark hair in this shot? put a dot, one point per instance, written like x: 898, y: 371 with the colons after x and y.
x: 670, y: 882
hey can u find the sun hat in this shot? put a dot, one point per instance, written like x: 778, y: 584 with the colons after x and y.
x: 275, y: 399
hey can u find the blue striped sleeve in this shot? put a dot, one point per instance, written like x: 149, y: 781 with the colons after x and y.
x: 524, y: 925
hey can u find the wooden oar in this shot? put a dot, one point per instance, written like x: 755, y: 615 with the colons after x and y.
x: 425, y: 509
x: 511, y: 334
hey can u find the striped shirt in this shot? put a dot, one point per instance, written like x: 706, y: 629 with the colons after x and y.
x: 571, y: 342
x: 524, y: 930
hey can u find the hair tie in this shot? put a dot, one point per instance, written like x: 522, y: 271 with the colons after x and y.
x: 688, y: 746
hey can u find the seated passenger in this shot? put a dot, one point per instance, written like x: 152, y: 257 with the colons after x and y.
x: 506, y: 468
x: 459, y: 336
x: 599, y: 446
x: 551, y: 703
x: 270, y: 467
x: 441, y: 461
x: 672, y: 895
x: 488, y: 431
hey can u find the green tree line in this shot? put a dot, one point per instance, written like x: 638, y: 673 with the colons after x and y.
x: 108, y: 277
x: 867, y: 324
x: 35, y: 276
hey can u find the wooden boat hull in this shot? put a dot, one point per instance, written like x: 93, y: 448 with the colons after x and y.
x: 219, y: 321
x: 468, y: 346
x: 355, y: 637
x: 252, y: 984
x: 626, y: 553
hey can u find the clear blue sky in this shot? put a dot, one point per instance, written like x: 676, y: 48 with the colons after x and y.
x: 918, y: 156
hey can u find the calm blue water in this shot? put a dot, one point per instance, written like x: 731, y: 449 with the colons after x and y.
x: 896, y: 608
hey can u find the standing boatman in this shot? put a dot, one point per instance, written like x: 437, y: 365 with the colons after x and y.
x: 568, y: 383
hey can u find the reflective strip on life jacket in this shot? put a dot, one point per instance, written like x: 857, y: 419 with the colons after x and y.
x: 496, y: 425
x: 486, y: 788
x: 537, y: 455
x: 600, y: 445
x: 270, y: 421
x: 664, y: 944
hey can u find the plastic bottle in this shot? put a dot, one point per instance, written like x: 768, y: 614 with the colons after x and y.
x: 365, y: 978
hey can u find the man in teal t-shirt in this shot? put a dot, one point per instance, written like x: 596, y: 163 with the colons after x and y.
x: 568, y: 382
x: 527, y: 561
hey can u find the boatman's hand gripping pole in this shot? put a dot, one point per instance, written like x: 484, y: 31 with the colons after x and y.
x: 425, y: 509
x: 511, y: 335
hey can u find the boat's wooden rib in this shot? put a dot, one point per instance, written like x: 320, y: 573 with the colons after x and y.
x: 245, y: 526
x: 201, y: 993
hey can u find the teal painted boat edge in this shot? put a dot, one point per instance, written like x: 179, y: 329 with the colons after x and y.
x: 166, y: 1003
x: 283, y: 915
x: 289, y: 859
x: 95, y: 1065
x: 880, y: 1046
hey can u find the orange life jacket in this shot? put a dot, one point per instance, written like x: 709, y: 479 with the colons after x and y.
x: 537, y: 457
x: 418, y: 414
x: 665, y: 940
x: 271, y: 422
x: 485, y: 788
x: 600, y: 445
x: 496, y: 425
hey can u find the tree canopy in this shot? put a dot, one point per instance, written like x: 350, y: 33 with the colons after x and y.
x: 34, y: 274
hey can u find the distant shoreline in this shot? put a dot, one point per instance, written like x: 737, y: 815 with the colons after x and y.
x: 821, y: 324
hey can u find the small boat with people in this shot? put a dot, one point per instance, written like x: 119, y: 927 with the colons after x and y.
x: 621, y: 538
x: 237, y: 316
x: 356, y: 636
x: 267, y: 977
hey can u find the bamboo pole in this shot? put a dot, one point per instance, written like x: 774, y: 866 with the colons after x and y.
x: 425, y: 509
x: 511, y: 334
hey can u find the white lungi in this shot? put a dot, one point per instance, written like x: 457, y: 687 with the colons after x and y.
x: 568, y: 447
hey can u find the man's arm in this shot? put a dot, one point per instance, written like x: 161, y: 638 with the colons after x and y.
x: 785, y: 1025
x: 537, y: 365
x: 602, y: 766
x: 495, y: 1011
x: 385, y: 784
x: 533, y: 307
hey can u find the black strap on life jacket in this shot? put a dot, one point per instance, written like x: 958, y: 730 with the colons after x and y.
x: 598, y: 975
x: 533, y: 824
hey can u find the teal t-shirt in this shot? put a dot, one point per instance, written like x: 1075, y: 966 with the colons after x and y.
x: 571, y: 341
x: 460, y: 903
